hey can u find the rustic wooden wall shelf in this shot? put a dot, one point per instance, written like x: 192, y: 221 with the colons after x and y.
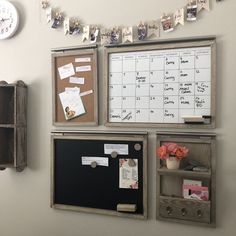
x: 171, y: 205
x: 13, y: 100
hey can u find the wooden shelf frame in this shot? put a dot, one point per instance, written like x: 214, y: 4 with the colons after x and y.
x: 169, y: 196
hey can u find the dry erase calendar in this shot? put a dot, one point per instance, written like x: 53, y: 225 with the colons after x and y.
x: 159, y: 86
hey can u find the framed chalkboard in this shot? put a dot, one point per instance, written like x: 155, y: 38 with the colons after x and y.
x: 75, y: 93
x: 102, y: 173
x: 163, y: 84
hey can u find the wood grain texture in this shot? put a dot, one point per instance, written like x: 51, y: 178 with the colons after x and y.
x: 13, y: 123
x: 105, y: 136
x: 61, y: 58
x: 183, y: 209
x: 171, y: 205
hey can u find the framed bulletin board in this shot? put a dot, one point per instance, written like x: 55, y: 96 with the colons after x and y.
x: 169, y: 83
x: 102, y: 173
x: 74, y: 72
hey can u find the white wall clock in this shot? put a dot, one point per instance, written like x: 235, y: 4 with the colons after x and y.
x: 9, y: 19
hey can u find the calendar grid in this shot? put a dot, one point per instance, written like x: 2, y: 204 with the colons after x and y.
x: 160, y: 86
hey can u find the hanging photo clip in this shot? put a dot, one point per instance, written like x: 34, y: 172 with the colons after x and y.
x: 192, y: 10
x: 115, y: 36
x: 167, y: 23
x: 58, y: 20
x: 142, y: 31
x: 75, y: 27
x: 94, y: 31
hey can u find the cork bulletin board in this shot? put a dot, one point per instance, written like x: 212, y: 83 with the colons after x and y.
x: 74, y: 75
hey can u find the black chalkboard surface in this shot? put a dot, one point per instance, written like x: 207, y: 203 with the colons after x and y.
x: 81, y: 187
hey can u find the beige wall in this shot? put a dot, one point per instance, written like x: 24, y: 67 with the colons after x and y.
x: 24, y: 197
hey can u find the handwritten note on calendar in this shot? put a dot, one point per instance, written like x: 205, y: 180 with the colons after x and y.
x: 159, y: 86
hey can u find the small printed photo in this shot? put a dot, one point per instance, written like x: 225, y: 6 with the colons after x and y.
x: 69, y: 113
x: 142, y: 31
x: 105, y: 36
x: 94, y: 34
x: 58, y: 20
x: 167, y: 23
x: 75, y: 29
x: 179, y: 17
x: 191, y: 12
x: 115, y: 36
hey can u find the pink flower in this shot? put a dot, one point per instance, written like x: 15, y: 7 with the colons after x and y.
x: 173, y: 149
x: 162, y: 152
x: 181, y: 152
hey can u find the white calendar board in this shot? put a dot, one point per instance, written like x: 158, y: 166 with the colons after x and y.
x: 159, y: 86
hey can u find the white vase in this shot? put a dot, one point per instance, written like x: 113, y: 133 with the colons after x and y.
x: 172, y: 163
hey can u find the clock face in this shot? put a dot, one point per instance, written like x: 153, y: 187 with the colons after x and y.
x: 9, y: 19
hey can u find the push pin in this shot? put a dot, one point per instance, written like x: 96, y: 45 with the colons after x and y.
x: 137, y: 147
x: 93, y: 164
x: 114, y: 154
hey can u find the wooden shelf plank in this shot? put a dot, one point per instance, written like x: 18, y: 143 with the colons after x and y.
x: 184, y: 173
x: 7, y: 126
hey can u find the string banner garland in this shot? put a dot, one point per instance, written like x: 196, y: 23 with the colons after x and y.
x: 145, y: 30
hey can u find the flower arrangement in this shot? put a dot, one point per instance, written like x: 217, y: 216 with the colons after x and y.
x: 172, y: 149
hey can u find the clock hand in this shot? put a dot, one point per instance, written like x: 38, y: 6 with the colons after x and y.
x: 2, y: 20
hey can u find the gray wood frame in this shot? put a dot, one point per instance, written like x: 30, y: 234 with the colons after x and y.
x: 74, y: 51
x: 13, y: 125
x: 207, y: 208
x: 100, y: 135
x: 162, y: 44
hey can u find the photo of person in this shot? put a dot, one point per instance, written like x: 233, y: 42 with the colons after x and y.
x: 75, y: 28
x: 192, y: 11
x: 94, y: 31
x: 58, y: 20
x: 115, y: 36
x: 167, y: 23
x: 142, y: 31
x: 69, y: 113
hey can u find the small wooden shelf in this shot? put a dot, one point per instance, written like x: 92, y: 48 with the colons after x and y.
x: 171, y: 206
x: 13, y: 100
x: 184, y: 173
